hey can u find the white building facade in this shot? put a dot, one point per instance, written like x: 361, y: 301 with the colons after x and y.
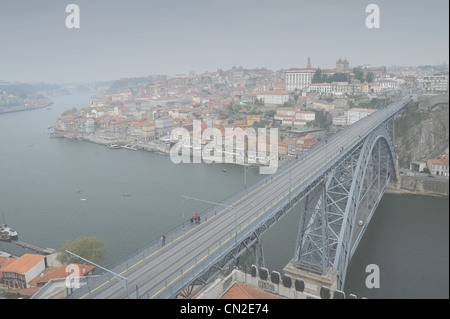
x: 355, y: 114
x: 435, y: 83
x: 307, y: 116
x: 322, y: 88
x: 272, y: 97
x: 299, y: 78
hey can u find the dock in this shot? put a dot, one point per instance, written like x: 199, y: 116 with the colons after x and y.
x: 46, y: 251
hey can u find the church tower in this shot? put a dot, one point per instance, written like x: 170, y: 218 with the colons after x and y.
x: 308, y: 65
x: 342, y: 65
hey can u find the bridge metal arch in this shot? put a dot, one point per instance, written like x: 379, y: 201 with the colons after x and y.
x: 359, y: 157
x: 328, y: 231
x: 372, y: 144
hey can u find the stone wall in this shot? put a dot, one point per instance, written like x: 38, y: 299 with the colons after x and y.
x: 426, y: 102
x: 419, y: 185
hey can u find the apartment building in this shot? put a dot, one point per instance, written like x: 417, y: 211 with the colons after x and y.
x: 438, y: 166
x: 435, y: 83
x: 355, y: 114
x: 21, y: 271
x: 299, y: 78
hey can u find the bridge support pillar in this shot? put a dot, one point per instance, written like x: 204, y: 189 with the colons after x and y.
x: 313, y: 281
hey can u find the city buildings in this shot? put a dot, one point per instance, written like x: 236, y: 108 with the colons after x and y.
x: 147, y: 112
x: 18, y: 273
x: 435, y: 83
x: 28, y: 273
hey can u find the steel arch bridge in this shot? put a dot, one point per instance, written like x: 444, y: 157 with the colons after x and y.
x: 338, y: 208
x: 337, y: 186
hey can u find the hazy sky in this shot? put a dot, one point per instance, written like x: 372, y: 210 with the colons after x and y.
x: 136, y: 38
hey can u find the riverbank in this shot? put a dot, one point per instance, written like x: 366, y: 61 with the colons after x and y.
x: 128, y: 143
x: 14, y: 109
x: 419, y: 185
x: 160, y: 148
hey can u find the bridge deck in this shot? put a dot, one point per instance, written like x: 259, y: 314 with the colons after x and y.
x: 157, y: 271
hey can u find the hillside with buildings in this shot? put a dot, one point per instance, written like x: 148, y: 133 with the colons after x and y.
x: 305, y: 104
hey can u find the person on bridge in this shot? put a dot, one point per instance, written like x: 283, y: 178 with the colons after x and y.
x: 163, y: 240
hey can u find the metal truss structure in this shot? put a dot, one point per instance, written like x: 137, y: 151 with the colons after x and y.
x: 336, y: 212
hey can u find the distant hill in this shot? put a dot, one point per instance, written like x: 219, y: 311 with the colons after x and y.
x: 24, y: 90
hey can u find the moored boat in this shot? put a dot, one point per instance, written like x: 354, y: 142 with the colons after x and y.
x: 130, y: 147
x: 5, y: 237
x: 7, y: 231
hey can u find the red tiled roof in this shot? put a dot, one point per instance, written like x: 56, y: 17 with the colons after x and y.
x: 441, y: 161
x: 27, y: 291
x: 23, y: 264
x: 5, y: 261
x: 241, y: 291
x: 59, y: 272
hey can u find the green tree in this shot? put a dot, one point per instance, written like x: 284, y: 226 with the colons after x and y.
x: 71, y: 111
x: 271, y: 113
x: 321, y: 120
x: 90, y: 248
x: 260, y: 124
x: 317, y: 77
x: 369, y: 77
x: 338, y: 77
x: 359, y: 74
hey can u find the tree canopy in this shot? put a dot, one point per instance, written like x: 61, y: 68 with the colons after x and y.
x: 90, y: 248
x: 359, y: 74
x: 68, y: 112
x: 369, y: 77
x: 320, y: 77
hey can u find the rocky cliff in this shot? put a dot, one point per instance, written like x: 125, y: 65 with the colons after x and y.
x: 422, y: 132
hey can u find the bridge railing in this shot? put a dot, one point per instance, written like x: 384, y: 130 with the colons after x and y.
x: 225, y: 245
x: 155, y: 245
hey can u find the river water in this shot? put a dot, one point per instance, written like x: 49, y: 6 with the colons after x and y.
x: 43, y: 182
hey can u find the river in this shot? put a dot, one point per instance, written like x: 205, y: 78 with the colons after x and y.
x: 43, y: 182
